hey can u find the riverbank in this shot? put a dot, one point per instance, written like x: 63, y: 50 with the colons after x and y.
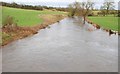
x: 98, y: 26
x: 18, y: 32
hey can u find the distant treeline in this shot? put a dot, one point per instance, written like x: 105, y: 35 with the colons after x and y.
x: 39, y: 7
x: 119, y: 13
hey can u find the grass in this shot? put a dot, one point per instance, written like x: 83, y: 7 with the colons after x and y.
x: 106, y: 22
x: 0, y: 15
x: 25, y: 17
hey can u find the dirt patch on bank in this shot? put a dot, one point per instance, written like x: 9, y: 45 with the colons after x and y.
x: 11, y: 34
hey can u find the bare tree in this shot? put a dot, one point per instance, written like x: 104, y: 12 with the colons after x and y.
x: 81, y: 9
x: 73, y: 8
x: 85, y: 9
x: 108, y: 5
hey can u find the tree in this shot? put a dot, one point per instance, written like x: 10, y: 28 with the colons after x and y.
x: 119, y: 9
x: 103, y: 11
x: 73, y: 8
x: 85, y: 9
x: 81, y: 9
x: 107, y: 5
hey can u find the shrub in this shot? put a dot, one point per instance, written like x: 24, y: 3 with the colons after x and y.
x: 9, y: 21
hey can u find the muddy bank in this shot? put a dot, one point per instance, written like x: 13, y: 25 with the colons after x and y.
x: 11, y: 34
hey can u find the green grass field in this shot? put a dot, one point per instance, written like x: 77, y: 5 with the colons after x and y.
x: 26, y: 17
x: 107, y: 22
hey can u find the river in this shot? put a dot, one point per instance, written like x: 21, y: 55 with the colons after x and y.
x: 67, y: 46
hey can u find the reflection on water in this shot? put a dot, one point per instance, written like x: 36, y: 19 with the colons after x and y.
x: 65, y: 46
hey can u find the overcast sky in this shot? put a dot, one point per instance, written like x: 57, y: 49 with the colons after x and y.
x: 57, y: 3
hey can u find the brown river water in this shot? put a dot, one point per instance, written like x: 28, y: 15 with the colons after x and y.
x: 67, y: 46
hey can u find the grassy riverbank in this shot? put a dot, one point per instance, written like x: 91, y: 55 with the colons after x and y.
x: 28, y: 22
x: 25, y: 17
x: 106, y: 22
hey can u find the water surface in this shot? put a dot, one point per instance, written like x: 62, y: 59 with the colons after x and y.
x: 67, y: 46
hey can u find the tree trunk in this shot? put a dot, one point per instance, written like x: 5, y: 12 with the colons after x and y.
x: 84, y: 20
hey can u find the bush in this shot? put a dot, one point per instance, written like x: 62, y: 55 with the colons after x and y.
x: 90, y: 14
x: 9, y: 21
